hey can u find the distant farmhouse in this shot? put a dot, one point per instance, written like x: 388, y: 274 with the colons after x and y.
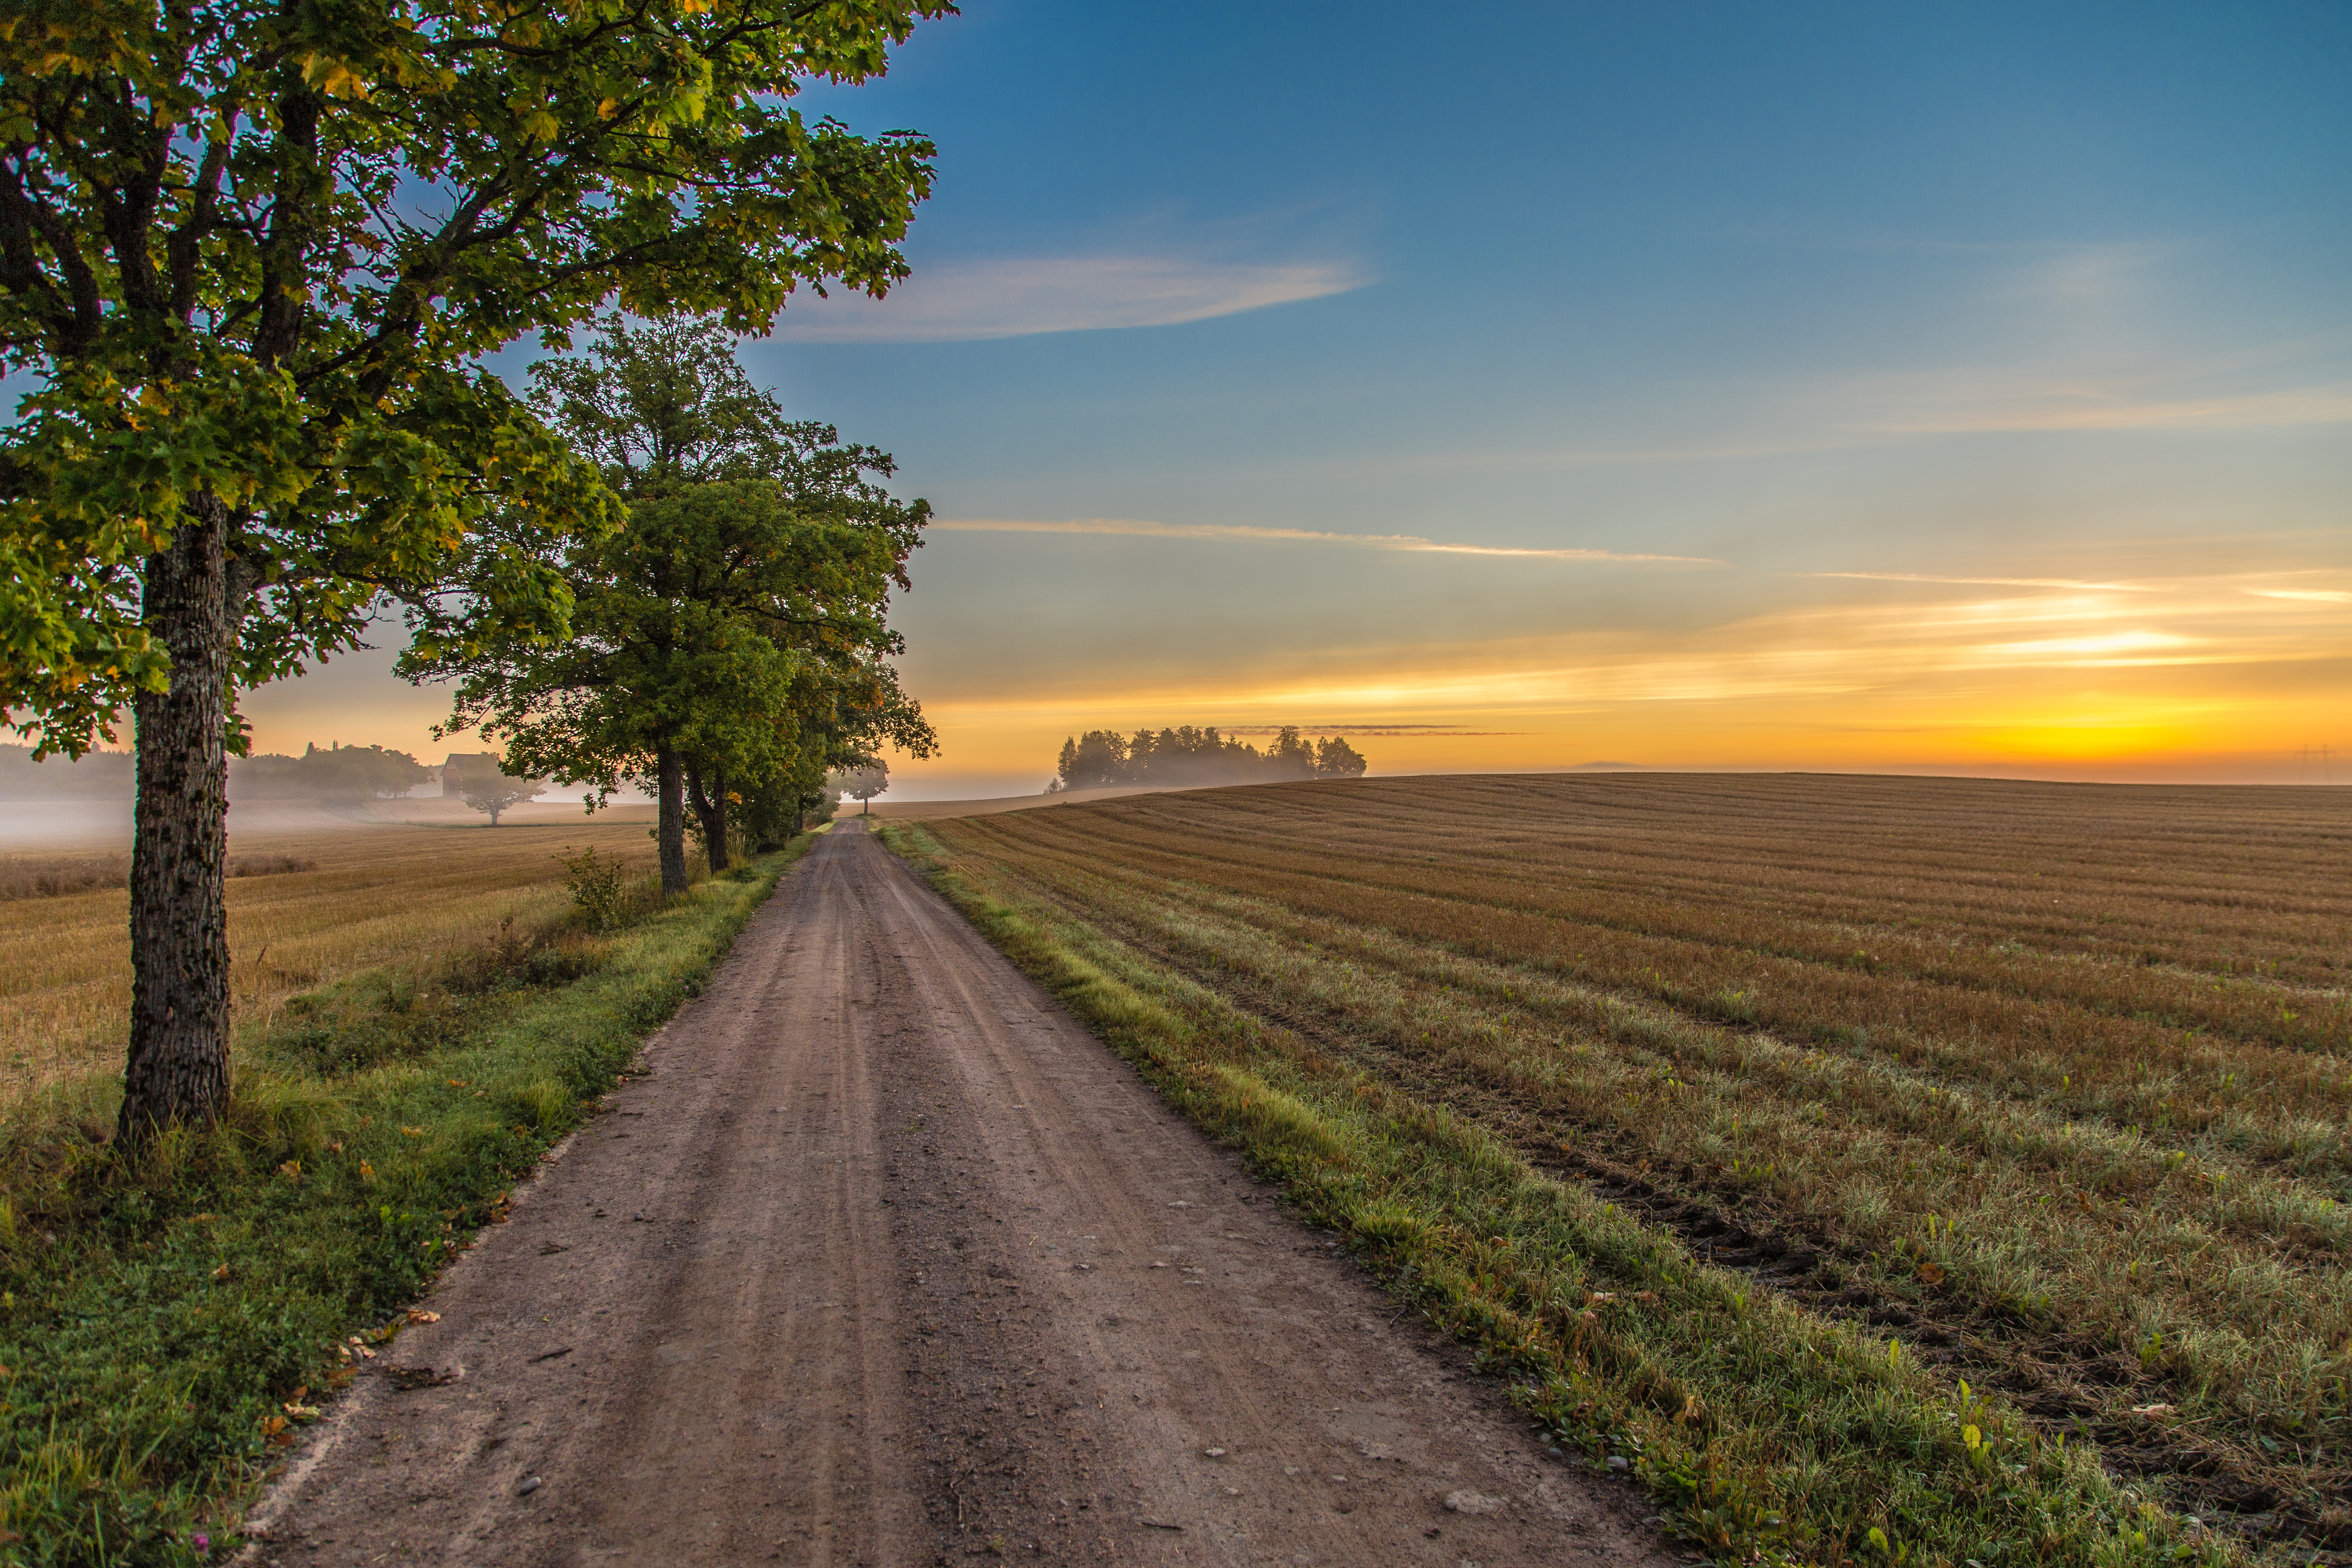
x: 464, y: 765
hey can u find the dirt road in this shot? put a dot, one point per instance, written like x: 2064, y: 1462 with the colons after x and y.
x: 889, y: 1261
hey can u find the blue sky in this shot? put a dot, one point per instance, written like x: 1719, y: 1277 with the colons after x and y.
x: 1988, y: 370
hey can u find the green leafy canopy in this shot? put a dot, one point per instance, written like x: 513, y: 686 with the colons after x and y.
x: 252, y: 256
x: 742, y: 618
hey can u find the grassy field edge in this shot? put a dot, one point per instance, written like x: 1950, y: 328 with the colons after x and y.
x: 1765, y: 1433
x: 165, y: 1331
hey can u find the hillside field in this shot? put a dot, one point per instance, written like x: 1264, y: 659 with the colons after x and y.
x: 1889, y: 1168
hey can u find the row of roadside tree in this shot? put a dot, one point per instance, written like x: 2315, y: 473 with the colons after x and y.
x: 252, y: 259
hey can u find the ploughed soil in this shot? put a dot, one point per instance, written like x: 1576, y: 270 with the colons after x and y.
x: 886, y: 1260
x: 924, y: 810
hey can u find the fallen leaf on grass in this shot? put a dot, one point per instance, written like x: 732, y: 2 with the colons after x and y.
x: 2151, y: 1409
x: 413, y: 1131
x: 1932, y: 1273
x: 222, y: 1272
x: 1599, y: 1297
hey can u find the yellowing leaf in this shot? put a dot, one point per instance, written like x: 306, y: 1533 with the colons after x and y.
x: 1933, y: 1273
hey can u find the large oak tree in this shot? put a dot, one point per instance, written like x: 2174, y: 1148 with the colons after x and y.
x: 735, y: 635
x: 250, y: 254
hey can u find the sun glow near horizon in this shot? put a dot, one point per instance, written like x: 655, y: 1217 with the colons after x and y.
x: 2192, y: 676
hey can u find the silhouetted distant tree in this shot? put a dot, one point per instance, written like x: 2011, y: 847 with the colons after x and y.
x: 1335, y: 759
x: 864, y: 783
x: 1290, y: 757
x: 1092, y: 761
x: 497, y: 793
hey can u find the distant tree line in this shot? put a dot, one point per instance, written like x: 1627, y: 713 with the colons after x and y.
x: 338, y: 775
x: 1197, y: 758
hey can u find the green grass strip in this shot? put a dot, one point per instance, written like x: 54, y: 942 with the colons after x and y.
x: 1766, y: 1434
x: 156, y: 1323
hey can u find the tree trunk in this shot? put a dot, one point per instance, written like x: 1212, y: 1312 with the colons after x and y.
x: 671, y: 832
x: 710, y: 811
x: 177, y: 1069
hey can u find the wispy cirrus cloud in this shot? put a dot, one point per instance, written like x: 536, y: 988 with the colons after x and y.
x: 962, y: 301
x: 2098, y: 409
x: 1137, y: 528
x: 1975, y: 582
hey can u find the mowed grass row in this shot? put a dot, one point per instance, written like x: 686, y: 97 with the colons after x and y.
x: 376, y: 895
x: 2120, y: 1211
x: 2077, y: 1019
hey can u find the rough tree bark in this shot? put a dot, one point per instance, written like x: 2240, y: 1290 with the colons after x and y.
x: 671, y: 832
x: 710, y: 811
x: 177, y: 1067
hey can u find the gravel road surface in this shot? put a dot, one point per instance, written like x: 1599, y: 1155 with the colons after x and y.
x: 887, y: 1261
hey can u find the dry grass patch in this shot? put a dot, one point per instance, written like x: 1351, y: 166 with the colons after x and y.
x: 303, y: 911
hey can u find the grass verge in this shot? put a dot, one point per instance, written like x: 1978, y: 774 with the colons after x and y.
x: 1766, y: 1433
x: 164, y: 1328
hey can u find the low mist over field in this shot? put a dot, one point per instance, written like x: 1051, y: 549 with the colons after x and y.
x: 65, y: 804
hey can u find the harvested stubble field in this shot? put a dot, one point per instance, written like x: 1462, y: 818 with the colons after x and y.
x: 304, y: 910
x: 2038, y: 1093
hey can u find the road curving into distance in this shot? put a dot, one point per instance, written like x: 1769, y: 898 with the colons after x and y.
x: 887, y: 1261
